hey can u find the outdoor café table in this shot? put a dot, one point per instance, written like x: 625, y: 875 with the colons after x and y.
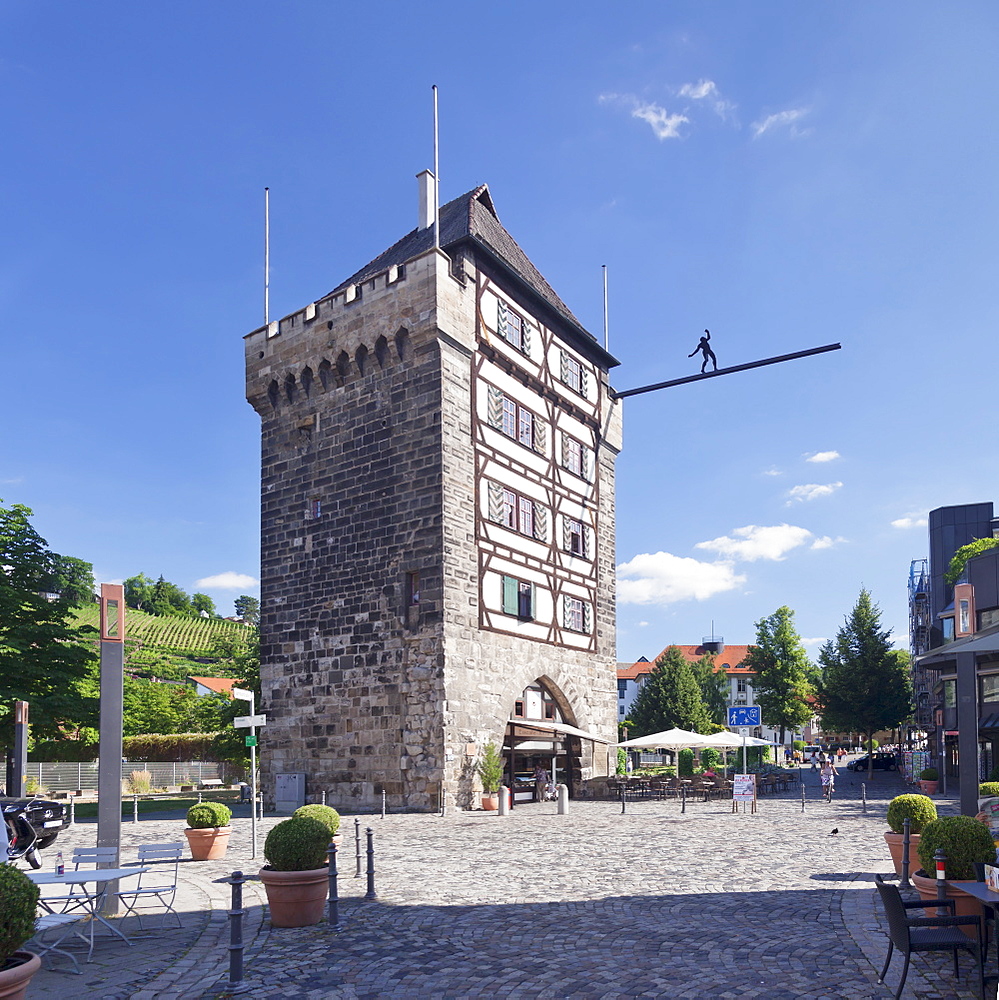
x: 985, y: 896
x: 89, y: 900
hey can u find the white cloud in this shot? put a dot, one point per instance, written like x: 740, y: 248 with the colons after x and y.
x: 662, y: 578
x: 909, y: 521
x: 822, y: 456
x: 664, y: 125
x: 780, y: 120
x: 814, y: 642
x: 826, y: 542
x: 228, y: 581
x: 706, y: 90
x: 773, y: 472
x: 754, y: 542
x: 811, y: 491
x: 644, y: 624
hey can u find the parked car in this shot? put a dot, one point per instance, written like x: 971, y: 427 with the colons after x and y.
x: 45, y: 817
x: 882, y: 762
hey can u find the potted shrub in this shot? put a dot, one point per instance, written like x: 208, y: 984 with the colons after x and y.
x: 929, y: 777
x: 490, y: 769
x: 18, y: 900
x: 208, y: 830
x: 919, y: 810
x: 964, y: 841
x: 326, y: 815
x: 296, y: 876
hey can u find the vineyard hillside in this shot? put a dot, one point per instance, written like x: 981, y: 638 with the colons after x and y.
x: 172, y: 647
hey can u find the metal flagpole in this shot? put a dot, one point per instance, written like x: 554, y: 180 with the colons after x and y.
x: 437, y: 183
x: 606, y: 335
x: 267, y: 256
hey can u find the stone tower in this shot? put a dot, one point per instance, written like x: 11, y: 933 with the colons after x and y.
x: 437, y: 524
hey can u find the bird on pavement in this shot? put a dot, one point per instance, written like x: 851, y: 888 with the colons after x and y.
x: 834, y: 831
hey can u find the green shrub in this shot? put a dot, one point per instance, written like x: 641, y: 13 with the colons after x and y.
x: 207, y: 815
x: 994, y: 773
x: 490, y: 768
x: 987, y: 788
x: 798, y: 745
x: 918, y: 809
x: 929, y: 774
x: 298, y: 845
x: 685, y: 763
x: 622, y: 761
x: 710, y: 757
x: 872, y: 745
x: 964, y: 841
x: 140, y: 782
x: 326, y: 815
x: 18, y: 900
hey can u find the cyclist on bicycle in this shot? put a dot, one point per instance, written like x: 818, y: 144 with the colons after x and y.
x: 828, y: 778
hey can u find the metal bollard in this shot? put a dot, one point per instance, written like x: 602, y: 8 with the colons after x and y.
x: 503, y: 806
x: 236, y: 946
x: 940, y: 860
x: 863, y: 795
x: 683, y: 798
x: 383, y: 803
x: 135, y: 808
x: 324, y: 796
x: 563, y: 799
x: 906, y: 833
x: 802, y: 796
x: 72, y: 810
x: 357, y: 846
x: 371, y: 894
x: 199, y: 798
x: 333, y: 914
x: 624, y: 798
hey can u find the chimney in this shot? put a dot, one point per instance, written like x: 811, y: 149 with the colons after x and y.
x: 428, y: 198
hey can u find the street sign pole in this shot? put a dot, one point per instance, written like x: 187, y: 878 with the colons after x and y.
x: 250, y: 722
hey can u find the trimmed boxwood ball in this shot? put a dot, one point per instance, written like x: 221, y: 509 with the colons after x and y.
x: 929, y: 774
x: 18, y: 901
x: 918, y: 809
x: 964, y: 841
x: 987, y: 788
x: 207, y: 815
x: 298, y: 845
x: 326, y: 815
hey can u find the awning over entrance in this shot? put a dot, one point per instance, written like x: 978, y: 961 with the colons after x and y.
x: 986, y: 641
x: 557, y: 727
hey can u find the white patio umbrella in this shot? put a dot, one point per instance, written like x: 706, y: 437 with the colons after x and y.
x: 725, y: 741
x: 671, y: 739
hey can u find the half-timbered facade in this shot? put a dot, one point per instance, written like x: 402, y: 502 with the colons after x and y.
x: 437, y: 523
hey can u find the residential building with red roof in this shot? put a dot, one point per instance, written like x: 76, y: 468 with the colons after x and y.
x: 213, y: 685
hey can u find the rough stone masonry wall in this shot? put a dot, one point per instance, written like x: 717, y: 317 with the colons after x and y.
x: 352, y: 679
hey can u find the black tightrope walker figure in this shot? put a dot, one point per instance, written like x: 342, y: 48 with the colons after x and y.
x: 703, y: 347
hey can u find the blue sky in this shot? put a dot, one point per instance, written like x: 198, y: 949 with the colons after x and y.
x: 785, y: 174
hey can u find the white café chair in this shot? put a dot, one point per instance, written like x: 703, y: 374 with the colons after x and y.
x: 158, y: 884
x: 50, y: 922
x: 75, y: 896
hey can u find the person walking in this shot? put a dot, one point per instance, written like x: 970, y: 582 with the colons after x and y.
x: 540, y: 782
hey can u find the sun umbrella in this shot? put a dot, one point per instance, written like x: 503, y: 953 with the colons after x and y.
x: 671, y: 739
x: 725, y: 741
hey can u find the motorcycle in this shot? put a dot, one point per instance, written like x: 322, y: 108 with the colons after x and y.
x: 22, y: 841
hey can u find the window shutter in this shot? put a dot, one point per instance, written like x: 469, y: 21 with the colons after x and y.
x: 494, y: 407
x: 565, y: 366
x: 586, y: 617
x: 587, y: 541
x: 540, y: 436
x: 565, y: 450
x: 584, y: 381
x: 565, y: 611
x: 540, y: 523
x: 502, y: 321
x: 527, y: 338
x: 588, y: 464
x: 566, y: 534
x: 509, y: 595
x: 495, y: 502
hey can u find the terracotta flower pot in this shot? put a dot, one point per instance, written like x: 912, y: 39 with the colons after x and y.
x: 966, y: 906
x: 14, y: 981
x: 490, y: 801
x: 928, y: 787
x: 894, y: 842
x: 209, y: 844
x: 296, y: 899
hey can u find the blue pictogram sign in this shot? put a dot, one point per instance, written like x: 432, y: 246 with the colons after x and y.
x: 744, y: 715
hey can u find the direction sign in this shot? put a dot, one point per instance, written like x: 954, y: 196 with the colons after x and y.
x: 744, y: 715
x: 241, y: 695
x: 245, y: 721
x: 251, y: 741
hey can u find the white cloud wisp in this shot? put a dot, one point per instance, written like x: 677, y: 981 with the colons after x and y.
x: 782, y: 119
x: 823, y: 456
x: 753, y: 542
x: 810, y: 491
x: 228, y: 581
x: 663, y: 578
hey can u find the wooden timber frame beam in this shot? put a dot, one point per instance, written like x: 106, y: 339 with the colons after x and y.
x: 725, y: 371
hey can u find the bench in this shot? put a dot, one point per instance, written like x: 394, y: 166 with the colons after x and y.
x: 210, y: 783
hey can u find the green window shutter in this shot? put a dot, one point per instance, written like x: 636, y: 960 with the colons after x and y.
x: 494, y: 407
x: 527, y: 338
x: 509, y: 595
x: 587, y: 540
x: 565, y: 366
x: 540, y: 523
x: 565, y: 450
x: 584, y: 381
x: 502, y: 321
x: 566, y: 534
x: 540, y: 435
x: 495, y: 502
x: 588, y: 464
x: 586, y: 617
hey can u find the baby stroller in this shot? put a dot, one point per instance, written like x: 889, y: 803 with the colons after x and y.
x: 551, y: 794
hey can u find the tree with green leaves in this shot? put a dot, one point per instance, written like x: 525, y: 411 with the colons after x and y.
x: 714, y: 685
x: 44, y: 658
x: 139, y: 592
x: 247, y: 608
x: 781, y: 667
x: 73, y: 580
x: 866, y: 684
x: 960, y: 558
x: 203, y: 603
x: 670, y: 698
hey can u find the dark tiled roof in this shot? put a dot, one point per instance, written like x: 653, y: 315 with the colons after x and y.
x: 472, y: 216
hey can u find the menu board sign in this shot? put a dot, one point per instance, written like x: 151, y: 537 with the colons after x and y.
x: 744, y: 788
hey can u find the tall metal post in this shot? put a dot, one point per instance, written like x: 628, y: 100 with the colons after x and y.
x: 112, y: 698
x: 19, y: 768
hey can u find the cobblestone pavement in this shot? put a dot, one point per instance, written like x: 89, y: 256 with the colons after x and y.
x: 596, y: 904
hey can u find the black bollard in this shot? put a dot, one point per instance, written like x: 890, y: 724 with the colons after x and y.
x: 357, y: 846
x: 334, y: 901
x: 624, y: 793
x: 940, y: 860
x: 683, y: 798
x: 906, y: 833
x: 236, y: 912
x: 863, y: 795
x: 802, y: 796
x: 371, y: 894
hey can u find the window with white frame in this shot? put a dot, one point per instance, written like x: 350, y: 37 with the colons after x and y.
x: 575, y: 539
x: 573, y: 374
x: 512, y: 327
x: 518, y: 597
x: 576, y: 457
x: 575, y: 614
x: 515, y: 421
x: 517, y: 512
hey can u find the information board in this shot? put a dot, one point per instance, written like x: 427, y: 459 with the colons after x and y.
x: 744, y: 788
x: 744, y: 715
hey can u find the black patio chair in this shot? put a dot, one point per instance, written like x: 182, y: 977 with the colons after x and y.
x: 927, y: 933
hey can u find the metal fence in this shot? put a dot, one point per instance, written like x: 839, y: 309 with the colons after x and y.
x: 69, y: 776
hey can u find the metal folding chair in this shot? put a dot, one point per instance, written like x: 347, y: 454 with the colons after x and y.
x: 49, y: 922
x: 159, y: 884
x: 83, y: 857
